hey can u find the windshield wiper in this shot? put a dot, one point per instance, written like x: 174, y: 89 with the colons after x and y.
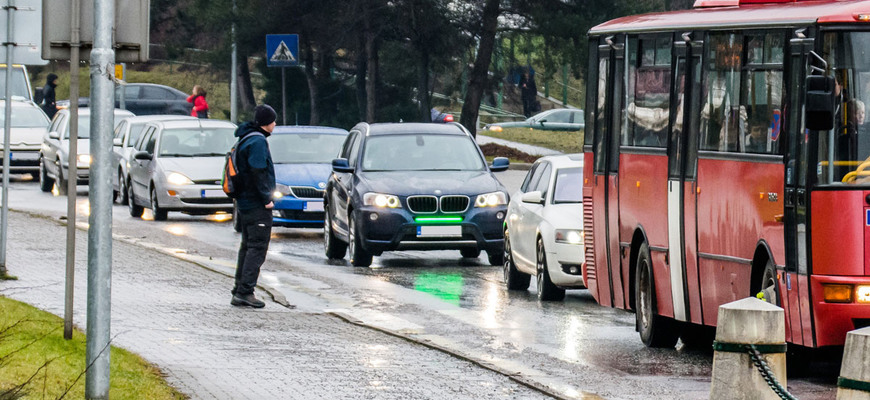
x: 208, y: 154
x: 176, y: 155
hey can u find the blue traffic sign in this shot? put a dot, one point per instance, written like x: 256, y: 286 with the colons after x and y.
x: 282, y: 50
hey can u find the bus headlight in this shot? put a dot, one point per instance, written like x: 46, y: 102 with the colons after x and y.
x: 862, y: 294
x: 491, y: 200
x: 569, y: 236
x: 381, y: 200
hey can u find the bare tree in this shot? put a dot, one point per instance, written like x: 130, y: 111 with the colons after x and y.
x: 477, y: 80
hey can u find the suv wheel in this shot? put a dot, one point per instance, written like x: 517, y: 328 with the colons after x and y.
x: 334, y: 248
x: 359, y: 257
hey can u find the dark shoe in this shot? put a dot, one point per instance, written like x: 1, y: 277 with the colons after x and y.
x: 247, y: 300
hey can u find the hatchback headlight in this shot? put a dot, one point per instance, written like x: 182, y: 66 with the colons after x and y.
x: 569, y: 236
x: 491, y: 199
x: 381, y: 200
x: 178, y: 179
x: 281, y: 191
x: 84, y: 159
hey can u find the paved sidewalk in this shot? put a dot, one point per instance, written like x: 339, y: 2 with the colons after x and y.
x: 525, y: 148
x: 177, y: 315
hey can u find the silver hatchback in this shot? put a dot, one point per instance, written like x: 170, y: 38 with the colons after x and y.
x: 177, y: 166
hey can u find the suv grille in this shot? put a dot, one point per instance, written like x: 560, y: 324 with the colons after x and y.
x: 422, y: 204
x: 452, y: 204
x: 307, y: 192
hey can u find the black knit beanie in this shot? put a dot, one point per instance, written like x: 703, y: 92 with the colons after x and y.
x: 264, y: 115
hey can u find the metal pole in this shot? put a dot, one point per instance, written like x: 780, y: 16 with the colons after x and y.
x: 75, y: 29
x: 7, y: 126
x: 283, y: 98
x: 234, y: 84
x: 100, y: 195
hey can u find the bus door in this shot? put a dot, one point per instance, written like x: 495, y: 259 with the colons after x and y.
x: 682, y: 185
x: 794, y: 281
x: 608, y: 115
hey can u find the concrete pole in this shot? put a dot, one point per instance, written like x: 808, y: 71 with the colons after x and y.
x: 747, y: 321
x: 100, y: 194
x: 7, y: 126
x: 75, y: 30
x: 854, y: 382
x: 234, y: 78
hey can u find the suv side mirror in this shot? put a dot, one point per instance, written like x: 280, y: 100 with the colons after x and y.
x: 500, y: 164
x: 533, y: 197
x: 820, y: 103
x: 341, y: 165
x: 143, y: 155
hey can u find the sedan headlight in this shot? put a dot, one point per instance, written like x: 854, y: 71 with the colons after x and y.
x: 569, y: 236
x: 381, y: 200
x: 281, y: 191
x: 491, y: 199
x: 84, y: 159
x: 178, y: 179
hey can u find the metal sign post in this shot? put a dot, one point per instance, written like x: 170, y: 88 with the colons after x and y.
x: 282, y: 51
x: 7, y: 126
x: 72, y: 162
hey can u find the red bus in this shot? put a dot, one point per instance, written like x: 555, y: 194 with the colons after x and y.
x: 709, y: 177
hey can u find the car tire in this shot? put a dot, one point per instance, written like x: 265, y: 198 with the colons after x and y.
x: 45, y: 183
x: 496, y: 257
x: 359, y: 257
x: 334, y: 248
x: 123, y: 195
x: 135, y: 209
x: 768, y: 284
x: 470, y: 252
x: 237, y: 225
x: 60, y: 182
x: 159, y: 213
x: 655, y: 330
x: 513, y: 278
x: 547, y: 291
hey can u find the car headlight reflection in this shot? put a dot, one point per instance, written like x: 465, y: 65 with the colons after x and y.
x: 381, y: 200
x: 178, y: 179
x: 569, y: 236
x: 84, y: 159
x: 491, y: 199
x: 281, y: 191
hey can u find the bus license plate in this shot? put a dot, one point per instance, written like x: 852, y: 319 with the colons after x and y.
x: 212, y: 193
x: 439, y: 231
x: 313, y: 206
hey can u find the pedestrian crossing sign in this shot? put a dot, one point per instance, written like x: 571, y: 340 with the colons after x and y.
x: 282, y: 50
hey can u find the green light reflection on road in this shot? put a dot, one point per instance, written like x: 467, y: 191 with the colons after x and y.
x: 447, y: 287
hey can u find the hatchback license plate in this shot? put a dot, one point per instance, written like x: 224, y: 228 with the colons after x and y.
x: 213, y: 193
x: 439, y: 231
x: 313, y: 206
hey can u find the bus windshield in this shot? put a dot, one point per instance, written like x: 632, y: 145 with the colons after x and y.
x: 844, y: 152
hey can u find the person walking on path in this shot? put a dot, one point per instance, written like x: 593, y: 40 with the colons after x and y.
x: 528, y: 92
x: 200, y: 106
x: 49, y: 98
x: 254, y: 203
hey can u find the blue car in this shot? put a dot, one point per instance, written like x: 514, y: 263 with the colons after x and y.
x: 302, y: 157
x: 413, y: 187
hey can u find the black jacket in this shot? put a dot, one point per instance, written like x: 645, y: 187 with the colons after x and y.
x: 49, y: 104
x: 254, y: 162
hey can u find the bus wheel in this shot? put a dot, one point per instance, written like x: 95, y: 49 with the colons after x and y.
x: 655, y: 330
x: 768, y: 284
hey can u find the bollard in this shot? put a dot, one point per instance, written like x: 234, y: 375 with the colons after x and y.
x: 747, y: 322
x: 854, y: 382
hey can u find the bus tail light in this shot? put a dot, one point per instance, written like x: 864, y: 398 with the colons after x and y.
x: 862, y: 294
x: 837, y: 293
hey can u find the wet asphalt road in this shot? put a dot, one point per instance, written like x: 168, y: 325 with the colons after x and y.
x: 576, y: 344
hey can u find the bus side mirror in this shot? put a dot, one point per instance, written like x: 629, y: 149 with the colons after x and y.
x: 820, y: 103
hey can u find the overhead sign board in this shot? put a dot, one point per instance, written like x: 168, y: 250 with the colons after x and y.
x: 282, y: 50
x: 26, y: 40
x: 131, y: 29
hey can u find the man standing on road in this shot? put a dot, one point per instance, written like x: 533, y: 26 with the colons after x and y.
x: 254, y: 203
x: 49, y: 104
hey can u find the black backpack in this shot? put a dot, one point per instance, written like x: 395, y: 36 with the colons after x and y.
x: 231, y: 181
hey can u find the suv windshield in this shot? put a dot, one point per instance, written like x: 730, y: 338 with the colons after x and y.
x: 844, y: 152
x: 421, y: 153
x: 304, y: 148
x: 196, y: 142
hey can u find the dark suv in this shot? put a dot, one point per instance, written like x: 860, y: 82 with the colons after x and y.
x: 413, y: 187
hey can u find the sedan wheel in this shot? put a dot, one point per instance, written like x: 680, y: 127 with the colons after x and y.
x: 359, y: 257
x: 513, y: 278
x: 547, y: 291
x: 135, y: 209
x: 45, y: 183
x: 123, y: 196
x: 159, y: 214
x: 61, y: 183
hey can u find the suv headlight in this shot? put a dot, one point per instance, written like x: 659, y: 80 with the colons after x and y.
x: 178, y: 179
x: 491, y: 199
x: 569, y: 236
x: 281, y: 191
x: 381, y: 200
x: 83, y: 159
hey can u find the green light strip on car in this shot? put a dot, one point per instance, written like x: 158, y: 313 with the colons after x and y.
x: 436, y: 220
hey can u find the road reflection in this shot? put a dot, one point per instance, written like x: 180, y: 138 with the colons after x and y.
x: 446, y: 287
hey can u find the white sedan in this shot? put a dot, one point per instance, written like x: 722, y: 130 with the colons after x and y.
x: 544, y: 228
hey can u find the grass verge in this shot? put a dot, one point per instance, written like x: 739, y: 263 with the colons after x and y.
x: 566, y: 142
x: 35, y: 358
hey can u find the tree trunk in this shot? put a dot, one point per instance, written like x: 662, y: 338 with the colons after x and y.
x: 371, y: 81
x: 477, y: 81
x: 423, y: 85
x: 312, y: 83
x: 246, y: 89
x: 361, y: 71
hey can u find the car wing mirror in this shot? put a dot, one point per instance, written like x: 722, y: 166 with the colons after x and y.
x: 54, y: 135
x: 341, y: 165
x: 533, y: 197
x: 117, y: 142
x: 143, y: 155
x: 500, y: 164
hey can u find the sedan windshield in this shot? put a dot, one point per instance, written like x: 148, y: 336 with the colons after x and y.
x: 569, y: 182
x: 25, y: 118
x: 421, y: 153
x: 196, y: 142
x: 304, y: 148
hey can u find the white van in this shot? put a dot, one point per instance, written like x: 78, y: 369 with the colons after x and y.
x: 20, y: 82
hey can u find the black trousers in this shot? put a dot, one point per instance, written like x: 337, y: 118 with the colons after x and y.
x: 256, y: 232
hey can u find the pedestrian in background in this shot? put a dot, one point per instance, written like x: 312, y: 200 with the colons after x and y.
x: 200, y: 106
x: 49, y: 98
x: 528, y: 92
x: 254, y: 203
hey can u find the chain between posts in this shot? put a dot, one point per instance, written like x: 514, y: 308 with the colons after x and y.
x: 767, y: 374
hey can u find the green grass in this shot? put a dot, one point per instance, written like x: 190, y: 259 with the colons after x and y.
x: 32, y: 348
x: 566, y: 142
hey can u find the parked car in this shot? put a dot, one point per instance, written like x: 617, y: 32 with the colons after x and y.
x: 413, y: 186
x: 20, y: 82
x: 303, y: 163
x: 559, y: 119
x: 54, y: 152
x: 177, y: 166
x: 440, y: 117
x: 146, y: 99
x: 28, y: 126
x: 127, y: 133
x: 544, y: 229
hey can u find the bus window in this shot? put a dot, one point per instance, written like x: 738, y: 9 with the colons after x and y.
x: 721, y: 114
x: 761, y: 95
x: 649, y: 93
